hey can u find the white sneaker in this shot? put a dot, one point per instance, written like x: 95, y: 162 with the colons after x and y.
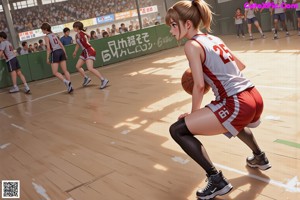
x: 69, y: 86
x: 104, y: 83
x: 287, y: 34
x: 27, y: 90
x: 14, y: 90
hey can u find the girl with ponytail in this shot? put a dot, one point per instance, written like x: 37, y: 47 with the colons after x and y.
x: 237, y: 105
x: 87, y: 56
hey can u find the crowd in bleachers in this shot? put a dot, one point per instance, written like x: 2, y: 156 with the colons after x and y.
x: 68, y: 11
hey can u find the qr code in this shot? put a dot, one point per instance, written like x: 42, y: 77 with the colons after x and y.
x: 10, y: 189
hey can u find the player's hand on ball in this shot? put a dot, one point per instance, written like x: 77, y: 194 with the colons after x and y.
x: 183, y: 116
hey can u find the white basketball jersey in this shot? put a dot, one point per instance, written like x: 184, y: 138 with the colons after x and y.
x: 7, y: 49
x: 53, y: 40
x: 220, y: 69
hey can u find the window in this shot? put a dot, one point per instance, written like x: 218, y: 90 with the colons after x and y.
x: 24, y: 4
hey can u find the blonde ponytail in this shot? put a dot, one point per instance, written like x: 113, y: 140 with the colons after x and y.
x: 205, y: 13
x: 197, y: 11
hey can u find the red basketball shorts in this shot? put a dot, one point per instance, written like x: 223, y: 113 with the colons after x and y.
x: 239, y: 111
x: 89, y: 53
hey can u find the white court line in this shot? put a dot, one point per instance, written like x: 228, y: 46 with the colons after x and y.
x: 20, y: 127
x: 49, y: 95
x: 277, y: 88
x: 290, y: 186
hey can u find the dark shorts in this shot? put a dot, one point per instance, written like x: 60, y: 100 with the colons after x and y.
x: 298, y: 13
x: 279, y: 16
x: 252, y: 20
x: 57, y: 56
x: 13, y: 65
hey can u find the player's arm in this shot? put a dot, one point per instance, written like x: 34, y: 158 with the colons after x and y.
x: 246, y: 12
x: 75, y: 51
x: 193, y: 51
x: 1, y: 53
x: 47, y: 41
x: 238, y: 62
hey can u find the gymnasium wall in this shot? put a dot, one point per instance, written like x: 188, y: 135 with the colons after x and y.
x: 109, y: 50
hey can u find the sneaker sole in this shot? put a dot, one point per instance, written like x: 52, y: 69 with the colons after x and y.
x: 104, y: 85
x: 27, y: 92
x: 261, y: 167
x: 221, y: 192
x: 14, y: 91
x: 87, y: 82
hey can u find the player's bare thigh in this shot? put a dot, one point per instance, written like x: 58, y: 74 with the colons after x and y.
x: 204, y: 122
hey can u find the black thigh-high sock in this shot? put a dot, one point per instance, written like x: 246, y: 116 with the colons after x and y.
x: 191, y: 146
x: 248, y: 138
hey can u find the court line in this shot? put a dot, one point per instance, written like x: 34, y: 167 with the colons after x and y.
x: 20, y: 127
x: 288, y: 143
x: 49, y: 95
x: 290, y: 186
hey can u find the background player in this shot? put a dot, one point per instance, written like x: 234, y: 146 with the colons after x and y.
x: 12, y: 62
x: 238, y: 20
x: 251, y: 19
x: 87, y: 55
x: 56, y: 55
x: 237, y: 105
x: 279, y: 15
x: 298, y: 14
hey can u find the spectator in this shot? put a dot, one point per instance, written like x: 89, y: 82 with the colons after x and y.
x: 108, y: 31
x: 123, y: 28
x: 25, y: 49
x: 93, y: 35
x: 99, y: 35
x: 105, y: 34
x: 30, y: 18
x: 31, y: 49
x: 113, y: 32
x: 66, y: 39
x: 35, y: 47
x: 42, y: 46
x: 158, y: 18
x: 114, y: 28
x: 130, y: 28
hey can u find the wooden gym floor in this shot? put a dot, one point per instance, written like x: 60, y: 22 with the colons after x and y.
x: 114, y: 144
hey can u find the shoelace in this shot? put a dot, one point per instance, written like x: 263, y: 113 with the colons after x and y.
x: 208, y: 184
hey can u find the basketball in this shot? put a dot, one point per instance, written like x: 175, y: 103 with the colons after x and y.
x: 187, y: 82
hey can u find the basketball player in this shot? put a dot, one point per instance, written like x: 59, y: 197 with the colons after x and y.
x: 87, y: 55
x: 237, y: 103
x: 251, y: 19
x: 279, y: 15
x: 13, y: 66
x: 56, y: 55
x: 298, y: 14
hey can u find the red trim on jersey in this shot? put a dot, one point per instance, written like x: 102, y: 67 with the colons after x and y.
x: 216, y: 81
